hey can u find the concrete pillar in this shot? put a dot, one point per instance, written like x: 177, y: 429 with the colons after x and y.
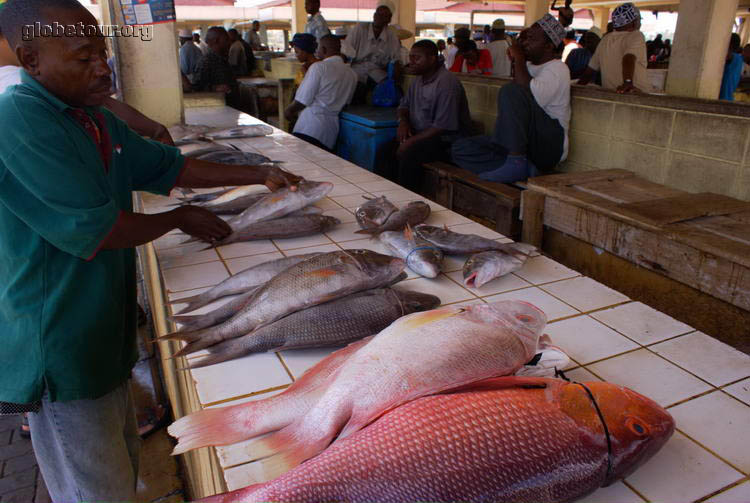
x: 299, y: 16
x: 535, y: 9
x: 148, y: 71
x: 406, y: 18
x: 700, y: 47
x: 601, y: 18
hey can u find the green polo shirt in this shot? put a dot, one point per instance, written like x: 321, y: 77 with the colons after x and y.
x: 67, y: 309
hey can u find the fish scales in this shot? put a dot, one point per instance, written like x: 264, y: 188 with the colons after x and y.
x: 421, y: 256
x: 412, y: 214
x: 289, y: 226
x: 491, y: 443
x: 374, y: 212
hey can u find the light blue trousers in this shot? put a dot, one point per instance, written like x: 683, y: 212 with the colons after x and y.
x: 88, y: 450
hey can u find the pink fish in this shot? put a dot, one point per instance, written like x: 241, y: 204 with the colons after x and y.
x: 509, y: 439
x: 417, y: 355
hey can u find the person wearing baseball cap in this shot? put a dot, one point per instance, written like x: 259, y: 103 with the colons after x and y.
x: 190, y: 56
x: 621, y: 56
x: 499, y: 49
x: 531, y: 131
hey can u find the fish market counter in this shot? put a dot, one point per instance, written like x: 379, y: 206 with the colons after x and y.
x: 703, y: 383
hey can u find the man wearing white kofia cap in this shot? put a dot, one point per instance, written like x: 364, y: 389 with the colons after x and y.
x: 371, y: 46
x: 621, y: 55
x: 531, y: 132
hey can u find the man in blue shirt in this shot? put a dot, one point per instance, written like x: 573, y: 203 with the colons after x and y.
x: 190, y: 56
x: 68, y: 168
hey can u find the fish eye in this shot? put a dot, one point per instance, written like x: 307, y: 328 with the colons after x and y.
x: 636, y: 426
x: 524, y: 318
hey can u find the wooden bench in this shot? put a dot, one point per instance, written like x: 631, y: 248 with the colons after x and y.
x: 495, y: 205
x: 698, y: 240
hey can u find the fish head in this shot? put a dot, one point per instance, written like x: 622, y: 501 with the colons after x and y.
x: 314, y: 190
x: 374, y: 212
x: 380, y: 268
x: 426, y: 262
x: 414, y: 302
x: 523, y: 319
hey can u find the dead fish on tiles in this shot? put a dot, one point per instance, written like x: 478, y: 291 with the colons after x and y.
x: 196, y: 198
x: 486, y: 266
x: 240, y: 132
x: 421, y: 256
x: 235, y: 206
x: 242, y: 281
x: 412, y: 214
x: 286, y: 227
x: 314, y: 281
x: 334, y: 323
x: 235, y: 157
x: 214, y: 147
x: 456, y: 243
x: 219, y: 315
x: 375, y: 212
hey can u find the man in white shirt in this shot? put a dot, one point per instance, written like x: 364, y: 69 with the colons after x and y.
x: 452, y: 51
x: 499, y: 49
x: 237, y: 57
x: 531, y: 132
x: 200, y: 44
x: 190, y: 56
x: 621, y: 55
x: 327, y: 88
x: 316, y: 23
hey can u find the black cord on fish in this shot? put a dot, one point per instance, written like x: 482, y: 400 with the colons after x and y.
x: 604, y: 424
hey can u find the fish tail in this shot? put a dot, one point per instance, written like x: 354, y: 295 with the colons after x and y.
x: 229, y: 425
x: 284, y: 450
x: 185, y: 320
x: 183, y: 300
x: 182, y: 335
x: 201, y: 342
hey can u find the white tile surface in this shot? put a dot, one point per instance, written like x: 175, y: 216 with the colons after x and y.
x: 641, y: 323
x: 539, y: 270
x: 186, y: 255
x: 552, y: 307
x: 441, y: 218
x: 706, y: 357
x: 584, y: 294
x: 292, y: 243
x: 237, y: 265
x: 737, y: 494
x: 442, y: 287
x: 358, y: 178
x: 586, y: 340
x: 740, y: 390
x: 298, y: 361
x: 327, y: 204
x: 398, y: 196
x: 344, y: 215
x: 246, y: 249
x: 313, y: 249
x: 345, y: 232
x: 369, y: 186
x: 353, y: 201
x: 170, y: 240
x: 454, y: 262
x: 345, y: 189
x: 194, y: 276
x: 720, y: 423
x: 498, y: 285
x: 650, y: 375
x: 580, y: 374
x: 242, y: 376
x: 616, y: 493
x: 682, y: 471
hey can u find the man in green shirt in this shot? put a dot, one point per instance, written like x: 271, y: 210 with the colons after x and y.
x: 67, y: 295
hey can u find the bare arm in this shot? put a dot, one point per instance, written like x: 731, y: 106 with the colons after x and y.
x: 201, y: 174
x: 628, y: 70
x: 588, y: 74
x: 137, y: 121
x: 294, y: 108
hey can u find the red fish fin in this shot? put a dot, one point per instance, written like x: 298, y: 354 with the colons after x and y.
x: 408, y: 233
x: 284, y: 451
x: 505, y: 382
x: 470, y: 281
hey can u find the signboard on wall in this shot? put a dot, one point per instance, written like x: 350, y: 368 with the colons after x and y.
x: 147, y: 11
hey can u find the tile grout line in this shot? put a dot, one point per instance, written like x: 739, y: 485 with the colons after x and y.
x: 286, y: 368
x: 723, y: 489
x: 246, y: 395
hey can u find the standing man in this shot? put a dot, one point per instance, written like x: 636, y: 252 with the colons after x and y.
x: 253, y: 38
x: 499, y: 50
x: 200, y: 43
x: 237, y: 57
x: 371, y: 46
x: 214, y: 71
x: 621, y: 55
x: 190, y: 56
x: 328, y: 87
x: 432, y: 115
x: 305, y: 48
x: 316, y: 24
x: 68, y: 295
x: 531, y: 131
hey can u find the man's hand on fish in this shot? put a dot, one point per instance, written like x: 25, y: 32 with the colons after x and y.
x: 277, y: 178
x: 201, y: 223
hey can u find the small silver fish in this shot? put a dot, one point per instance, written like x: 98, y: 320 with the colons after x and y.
x: 421, y: 256
x: 486, y: 266
x: 375, y: 212
x: 412, y: 214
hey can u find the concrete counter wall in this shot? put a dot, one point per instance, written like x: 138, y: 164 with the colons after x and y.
x: 690, y: 144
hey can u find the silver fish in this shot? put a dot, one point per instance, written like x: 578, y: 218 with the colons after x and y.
x: 455, y: 243
x: 218, y: 315
x: 290, y: 226
x: 334, y: 323
x: 235, y: 206
x: 412, y: 214
x: 486, y: 266
x: 320, y: 279
x: 215, y: 147
x: 421, y: 256
x: 374, y: 212
x: 240, y: 132
x: 235, y: 157
x: 242, y: 281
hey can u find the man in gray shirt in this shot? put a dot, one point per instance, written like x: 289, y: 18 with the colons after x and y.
x: 432, y: 115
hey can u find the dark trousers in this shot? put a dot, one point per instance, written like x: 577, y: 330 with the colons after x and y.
x: 312, y: 141
x: 522, y: 127
x: 407, y: 170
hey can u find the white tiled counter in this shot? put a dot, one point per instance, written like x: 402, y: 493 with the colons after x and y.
x: 704, y: 383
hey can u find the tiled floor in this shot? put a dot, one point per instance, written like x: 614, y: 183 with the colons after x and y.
x: 703, y: 383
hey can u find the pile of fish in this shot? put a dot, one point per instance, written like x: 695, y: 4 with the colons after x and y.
x: 314, y: 300
x: 380, y: 215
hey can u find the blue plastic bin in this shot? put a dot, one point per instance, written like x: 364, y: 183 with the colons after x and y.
x: 365, y: 135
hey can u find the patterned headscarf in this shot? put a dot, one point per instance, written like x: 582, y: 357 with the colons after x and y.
x: 552, y: 28
x: 624, y: 15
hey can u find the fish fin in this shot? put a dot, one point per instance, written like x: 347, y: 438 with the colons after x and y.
x: 185, y: 319
x: 178, y: 335
x: 198, y: 343
x: 408, y: 233
x: 372, y: 232
x: 505, y: 382
x: 283, y: 450
x: 226, y: 425
x: 185, y: 300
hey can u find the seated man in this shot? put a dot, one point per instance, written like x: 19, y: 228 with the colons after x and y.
x: 328, y: 86
x: 433, y: 113
x: 621, y: 55
x: 371, y: 46
x: 533, y: 112
x: 470, y: 59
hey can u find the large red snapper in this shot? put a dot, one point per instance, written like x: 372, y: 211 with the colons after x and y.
x: 507, y: 439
